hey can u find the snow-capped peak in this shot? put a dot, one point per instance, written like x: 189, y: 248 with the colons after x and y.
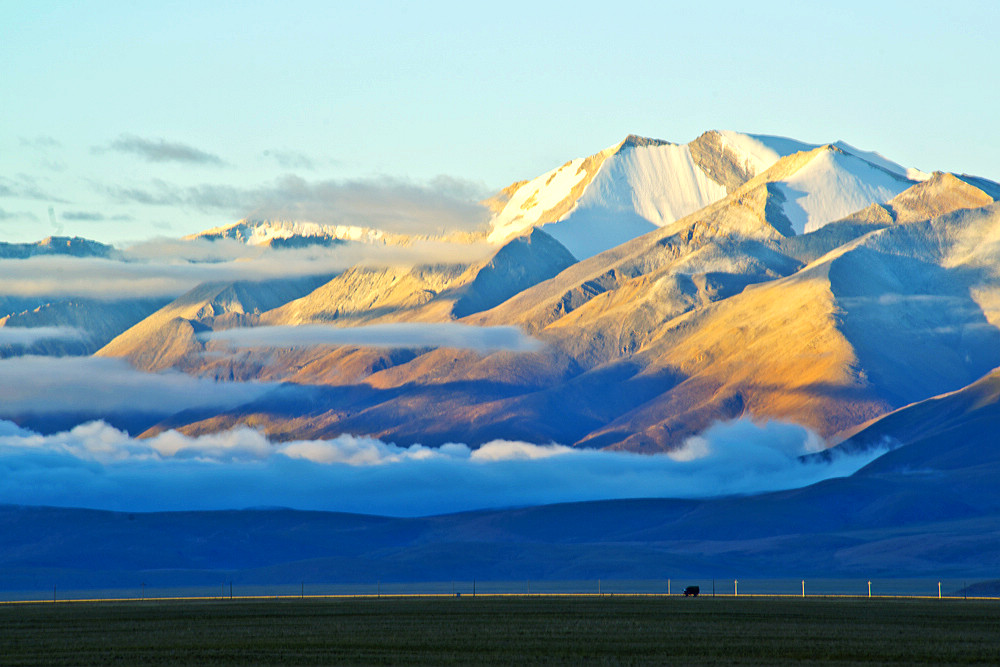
x: 593, y: 204
x: 267, y: 232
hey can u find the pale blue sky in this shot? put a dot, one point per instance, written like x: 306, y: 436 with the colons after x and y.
x: 137, y: 119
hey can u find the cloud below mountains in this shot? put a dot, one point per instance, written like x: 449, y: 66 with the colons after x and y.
x: 100, y: 386
x: 30, y: 335
x: 169, y: 268
x: 393, y: 335
x: 95, y: 465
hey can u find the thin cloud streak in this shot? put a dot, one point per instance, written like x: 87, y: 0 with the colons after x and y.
x: 171, y: 268
x: 25, y: 336
x: 388, y: 204
x: 290, y: 159
x: 394, y: 335
x: 394, y: 205
x: 160, y: 150
x: 16, y: 215
x: 101, y: 386
x: 95, y: 465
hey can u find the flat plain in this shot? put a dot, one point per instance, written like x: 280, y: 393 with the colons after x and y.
x: 503, y: 630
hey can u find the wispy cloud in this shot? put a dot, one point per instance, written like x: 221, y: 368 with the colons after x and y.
x: 92, y: 216
x: 395, y: 335
x: 443, y: 205
x: 42, y: 142
x: 17, y: 215
x: 26, y: 186
x: 161, y: 150
x: 95, y: 465
x: 29, y: 335
x: 171, y: 267
x: 97, y: 385
x: 290, y: 159
x: 386, y: 203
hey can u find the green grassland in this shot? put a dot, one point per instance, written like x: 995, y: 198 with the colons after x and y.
x: 503, y: 630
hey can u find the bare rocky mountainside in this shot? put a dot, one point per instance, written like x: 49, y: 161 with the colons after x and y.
x: 670, y: 286
x: 640, y: 299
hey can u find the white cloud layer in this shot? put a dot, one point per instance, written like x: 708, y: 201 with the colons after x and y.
x: 30, y: 335
x: 97, y: 385
x: 170, y: 267
x: 95, y: 465
x: 394, y: 335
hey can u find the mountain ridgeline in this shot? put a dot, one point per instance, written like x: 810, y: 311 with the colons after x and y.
x: 671, y: 286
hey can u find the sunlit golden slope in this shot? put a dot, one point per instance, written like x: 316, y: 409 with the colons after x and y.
x: 168, y: 337
x: 721, y: 314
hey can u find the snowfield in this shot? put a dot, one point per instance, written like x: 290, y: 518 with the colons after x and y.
x: 591, y: 205
x: 833, y: 185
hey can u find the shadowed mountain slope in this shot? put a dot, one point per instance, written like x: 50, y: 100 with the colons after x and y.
x: 729, y: 311
x: 917, y: 511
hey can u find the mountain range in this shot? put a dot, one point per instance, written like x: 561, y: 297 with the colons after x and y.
x: 672, y: 286
x: 665, y: 288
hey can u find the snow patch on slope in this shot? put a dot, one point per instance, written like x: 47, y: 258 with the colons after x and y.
x: 534, y: 198
x: 760, y: 151
x: 593, y: 204
x: 833, y: 185
x: 263, y: 232
x: 660, y: 183
x: 636, y: 190
x: 878, y: 160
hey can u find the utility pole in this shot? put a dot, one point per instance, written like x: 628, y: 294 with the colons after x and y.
x: 803, y: 588
x: 869, y: 588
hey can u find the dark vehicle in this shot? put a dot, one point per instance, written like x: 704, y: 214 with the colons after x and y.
x: 692, y: 590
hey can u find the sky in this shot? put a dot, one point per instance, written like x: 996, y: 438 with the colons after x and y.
x: 123, y: 122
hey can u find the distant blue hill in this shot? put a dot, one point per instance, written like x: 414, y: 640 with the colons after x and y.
x: 928, y: 508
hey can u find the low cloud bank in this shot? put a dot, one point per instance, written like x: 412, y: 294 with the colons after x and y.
x: 170, y: 267
x: 97, y: 385
x: 396, y: 335
x: 26, y: 336
x: 97, y: 466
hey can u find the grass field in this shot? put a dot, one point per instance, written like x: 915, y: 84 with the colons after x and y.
x: 503, y: 630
